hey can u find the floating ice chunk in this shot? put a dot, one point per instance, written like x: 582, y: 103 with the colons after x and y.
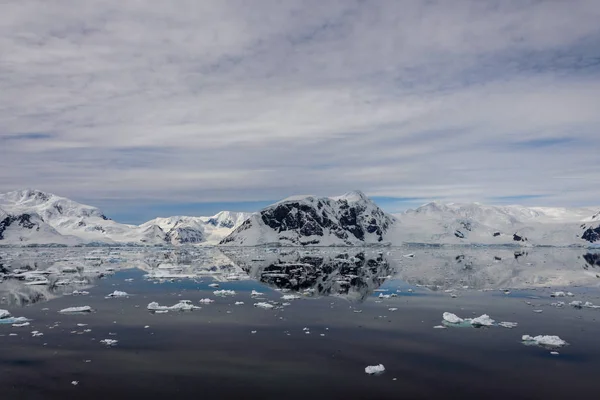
x: 392, y: 309
x: 80, y: 293
x: 254, y: 293
x: 206, y: 301
x: 38, y: 282
x: 590, y: 305
x: 452, y: 318
x: 253, y: 332
x: 183, y: 305
x: 214, y: 285
x: 569, y: 294
x: 239, y: 303
x: 384, y: 296
x: 558, y: 304
x: 224, y: 293
x: 4, y: 314
x: 74, y: 383
x: 109, y: 342
x: 483, y: 320
x: 508, y: 325
x: 439, y: 327
x: 411, y: 255
x: 18, y: 325
x: 71, y: 310
x: 544, y: 340
x: 558, y: 294
x: 554, y: 353
x: 117, y: 293
x: 290, y: 297
x: 375, y: 369
x: 36, y: 333
x: 576, y: 304
x: 264, y: 305
x: 538, y: 311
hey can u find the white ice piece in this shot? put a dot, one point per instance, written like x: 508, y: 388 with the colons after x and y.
x: 264, y: 305
x: 452, y: 318
x: 544, y: 340
x: 508, y: 325
x: 483, y: 320
x: 290, y: 297
x: 183, y: 305
x: 254, y: 293
x: 375, y: 369
x: 109, y: 342
x: 224, y: 293
x: 117, y: 293
x: 70, y: 310
x: 206, y: 301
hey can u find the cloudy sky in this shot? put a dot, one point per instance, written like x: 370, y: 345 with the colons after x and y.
x: 155, y: 108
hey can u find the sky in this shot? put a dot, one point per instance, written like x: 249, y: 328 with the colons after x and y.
x: 149, y: 108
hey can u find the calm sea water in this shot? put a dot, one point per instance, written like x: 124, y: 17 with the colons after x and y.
x: 225, y: 350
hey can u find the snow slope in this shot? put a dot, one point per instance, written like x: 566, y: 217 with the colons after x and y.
x: 351, y: 219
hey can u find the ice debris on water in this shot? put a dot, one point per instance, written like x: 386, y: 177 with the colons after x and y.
x: 544, y: 340
x: 483, y: 320
x: 214, y: 285
x: 375, y: 369
x: 290, y: 297
x: 117, y: 293
x: 206, y: 301
x: 562, y: 294
x: 508, y: 325
x: 109, y: 342
x: 452, y: 318
x: 36, y: 333
x: 224, y: 293
x: 183, y: 305
x: 239, y: 303
x: 264, y: 305
x: 18, y: 325
x: 581, y: 304
x: 7, y: 318
x: 80, y: 293
x: 254, y: 293
x: 73, y: 310
x: 74, y: 383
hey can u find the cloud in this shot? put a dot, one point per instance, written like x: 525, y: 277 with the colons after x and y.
x: 222, y: 101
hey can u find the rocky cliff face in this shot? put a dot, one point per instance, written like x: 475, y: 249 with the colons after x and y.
x: 351, y: 219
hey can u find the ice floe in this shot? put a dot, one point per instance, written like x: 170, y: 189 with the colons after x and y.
x: 452, y: 318
x: 508, y: 325
x: 74, y: 310
x: 206, y: 301
x: 109, y: 342
x: 375, y: 369
x: 290, y: 297
x: 264, y: 305
x: 117, y: 293
x: 239, y: 303
x: 581, y: 304
x: 183, y: 305
x: 483, y: 320
x: 254, y: 293
x: 224, y: 293
x: 544, y: 340
x: 7, y: 318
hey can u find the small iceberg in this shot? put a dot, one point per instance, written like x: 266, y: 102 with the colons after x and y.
x: 452, y: 318
x: 117, y: 293
x: 483, y: 320
x: 206, y: 301
x: 109, y: 342
x: 290, y: 297
x: 254, y: 293
x: 543, y: 340
x: 76, y: 310
x: 224, y: 293
x: 239, y: 303
x: 183, y: 305
x: 375, y: 369
x: 7, y: 318
x: 508, y: 325
x: 264, y: 305
x: 581, y: 304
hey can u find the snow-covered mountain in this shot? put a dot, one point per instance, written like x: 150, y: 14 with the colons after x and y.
x: 193, y: 230
x: 351, y: 219
x: 436, y: 223
x: 35, y: 217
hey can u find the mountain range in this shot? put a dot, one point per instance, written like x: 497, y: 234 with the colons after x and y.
x: 33, y: 217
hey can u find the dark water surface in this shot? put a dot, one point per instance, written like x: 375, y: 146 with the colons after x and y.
x: 212, y: 352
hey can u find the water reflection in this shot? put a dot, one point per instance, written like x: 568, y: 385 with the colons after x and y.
x: 33, y: 275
